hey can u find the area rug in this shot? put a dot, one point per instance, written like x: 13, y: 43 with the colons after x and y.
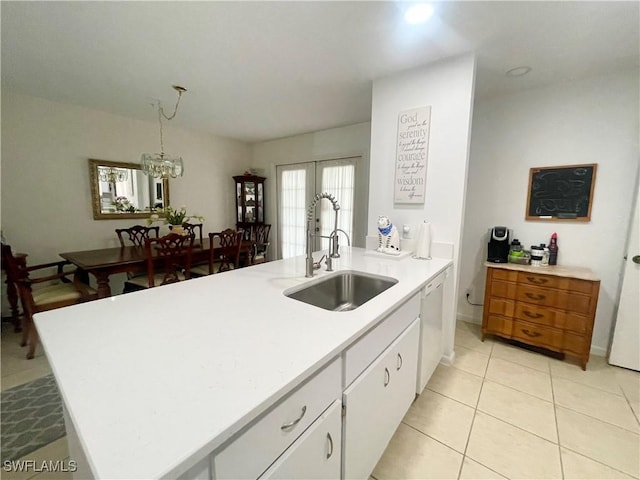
x: 31, y: 417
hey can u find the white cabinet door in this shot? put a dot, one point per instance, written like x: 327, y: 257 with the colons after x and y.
x: 376, y: 403
x: 316, y: 454
x: 251, y: 453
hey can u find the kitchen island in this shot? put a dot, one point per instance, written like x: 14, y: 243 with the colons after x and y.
x: 154, y: 382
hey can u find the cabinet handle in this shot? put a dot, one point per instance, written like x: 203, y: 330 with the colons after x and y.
x: 533, y: 315
x: 295, y: 422
x: 399, y: 362
x: 531, y: 334
x: 387, y: 377
x: 539, y: 281
x: 533, y: 296
x: 330, y: 446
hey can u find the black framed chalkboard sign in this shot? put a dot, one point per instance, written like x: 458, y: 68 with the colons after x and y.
x: 561, y: 193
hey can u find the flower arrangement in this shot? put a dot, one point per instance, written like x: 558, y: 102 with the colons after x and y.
x: 124, y: 205
x: 172, y: 216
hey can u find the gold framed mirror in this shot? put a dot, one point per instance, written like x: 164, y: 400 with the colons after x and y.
x: 121, y: 190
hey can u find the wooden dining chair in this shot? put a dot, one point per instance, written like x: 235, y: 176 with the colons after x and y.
x: 45, y: 292
x: 228, y: 255
x: 136, y: 235
x: 261, y: 243
x: 194, y: 229
x: 168, y: 260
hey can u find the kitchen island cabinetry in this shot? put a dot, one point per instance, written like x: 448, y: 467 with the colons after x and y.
x: 550, y: 307
x: 377, y: 401
x: 224, y: 393
x: 250, y: 454
x: 316, y: 454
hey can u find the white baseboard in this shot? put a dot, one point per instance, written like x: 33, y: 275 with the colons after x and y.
x: 598, y: 351
x: 448, y: 359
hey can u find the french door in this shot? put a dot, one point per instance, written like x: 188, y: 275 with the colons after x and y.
x: 297, y: 184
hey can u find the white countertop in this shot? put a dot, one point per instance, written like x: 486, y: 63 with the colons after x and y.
x: 154, y: 380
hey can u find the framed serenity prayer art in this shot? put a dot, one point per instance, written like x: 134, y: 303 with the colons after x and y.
x: 412, y: 146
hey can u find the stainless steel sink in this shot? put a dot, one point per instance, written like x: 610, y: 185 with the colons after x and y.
x: 342, y: 291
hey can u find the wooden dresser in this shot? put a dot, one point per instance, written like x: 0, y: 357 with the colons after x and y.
x: 550, y: 307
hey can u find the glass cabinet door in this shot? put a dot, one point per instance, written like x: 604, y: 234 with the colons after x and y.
x: 249, y: 200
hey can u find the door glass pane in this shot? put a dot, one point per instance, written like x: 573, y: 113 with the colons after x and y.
x: 292, y: 212
x: 260, y: 203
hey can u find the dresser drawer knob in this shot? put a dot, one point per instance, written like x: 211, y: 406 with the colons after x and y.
x: 534, y: 296
x: 533, y: 315
x: 387, y: 377
x: 531, y: 334
x: 539, y: 281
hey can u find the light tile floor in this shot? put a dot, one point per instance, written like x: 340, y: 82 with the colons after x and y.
x: 499, y: 412
x: 505, y: 412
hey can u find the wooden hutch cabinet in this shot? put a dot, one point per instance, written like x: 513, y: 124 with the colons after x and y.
x: 550, y: 307
x: 249, y: 201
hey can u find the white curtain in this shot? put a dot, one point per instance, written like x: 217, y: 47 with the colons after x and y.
x: 292, y: 212
x: 339, y: 181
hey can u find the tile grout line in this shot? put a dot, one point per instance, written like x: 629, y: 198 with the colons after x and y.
x: 600, y: 462
x: 555, y: 417
x: 475, y: 412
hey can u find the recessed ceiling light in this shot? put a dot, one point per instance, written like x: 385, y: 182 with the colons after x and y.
x: 518, y: 71
x: 418, y: 13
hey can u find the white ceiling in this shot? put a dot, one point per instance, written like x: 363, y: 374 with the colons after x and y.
x: 262, y: 70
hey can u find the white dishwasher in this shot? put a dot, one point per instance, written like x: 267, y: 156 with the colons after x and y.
x: 430, y: 330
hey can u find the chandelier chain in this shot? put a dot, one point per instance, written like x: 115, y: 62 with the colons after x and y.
x: 162, y: 114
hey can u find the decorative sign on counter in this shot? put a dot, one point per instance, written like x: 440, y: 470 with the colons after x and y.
x: 411, y: 155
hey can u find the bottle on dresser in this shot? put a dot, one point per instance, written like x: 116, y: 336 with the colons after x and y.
x: 553, y: 249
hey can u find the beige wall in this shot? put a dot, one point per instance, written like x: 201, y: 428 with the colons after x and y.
x: 590, y: 120
x: 45, y: 198
x: 448, y: 86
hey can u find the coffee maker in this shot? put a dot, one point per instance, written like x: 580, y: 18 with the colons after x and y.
x: 498, y: 248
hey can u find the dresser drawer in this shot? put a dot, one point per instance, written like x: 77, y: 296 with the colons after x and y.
x: 554, y: 298
x: 502, y: 274
x: 498, y: 325
x: 537, y: 335
x: 536, y: 314
x: 537, y: 280
x: 251, y: 453
x: 551, y: 317
x: 501, y: 306
x: 576, y: 343
x: 503, y: 289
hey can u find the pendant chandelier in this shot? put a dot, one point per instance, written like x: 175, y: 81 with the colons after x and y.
x: 112, y: 174
x: 161, y: 165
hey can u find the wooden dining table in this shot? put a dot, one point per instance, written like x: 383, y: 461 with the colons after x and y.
x: 104, y: 262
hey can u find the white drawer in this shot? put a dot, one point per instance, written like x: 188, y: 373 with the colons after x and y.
x: 316, y: 454
x: 360, y: 355
x: 251, y: 453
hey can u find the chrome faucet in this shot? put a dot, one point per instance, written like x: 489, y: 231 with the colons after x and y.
x: 333, y: 246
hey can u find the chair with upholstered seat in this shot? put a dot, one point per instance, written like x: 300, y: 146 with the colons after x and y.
x: 44, y: 293
x: 224, y: 253
x: 136, y: 236
x: 193, y: 229
x: 261, y: 243
x: 168, y: 260
x: 229, y: 252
